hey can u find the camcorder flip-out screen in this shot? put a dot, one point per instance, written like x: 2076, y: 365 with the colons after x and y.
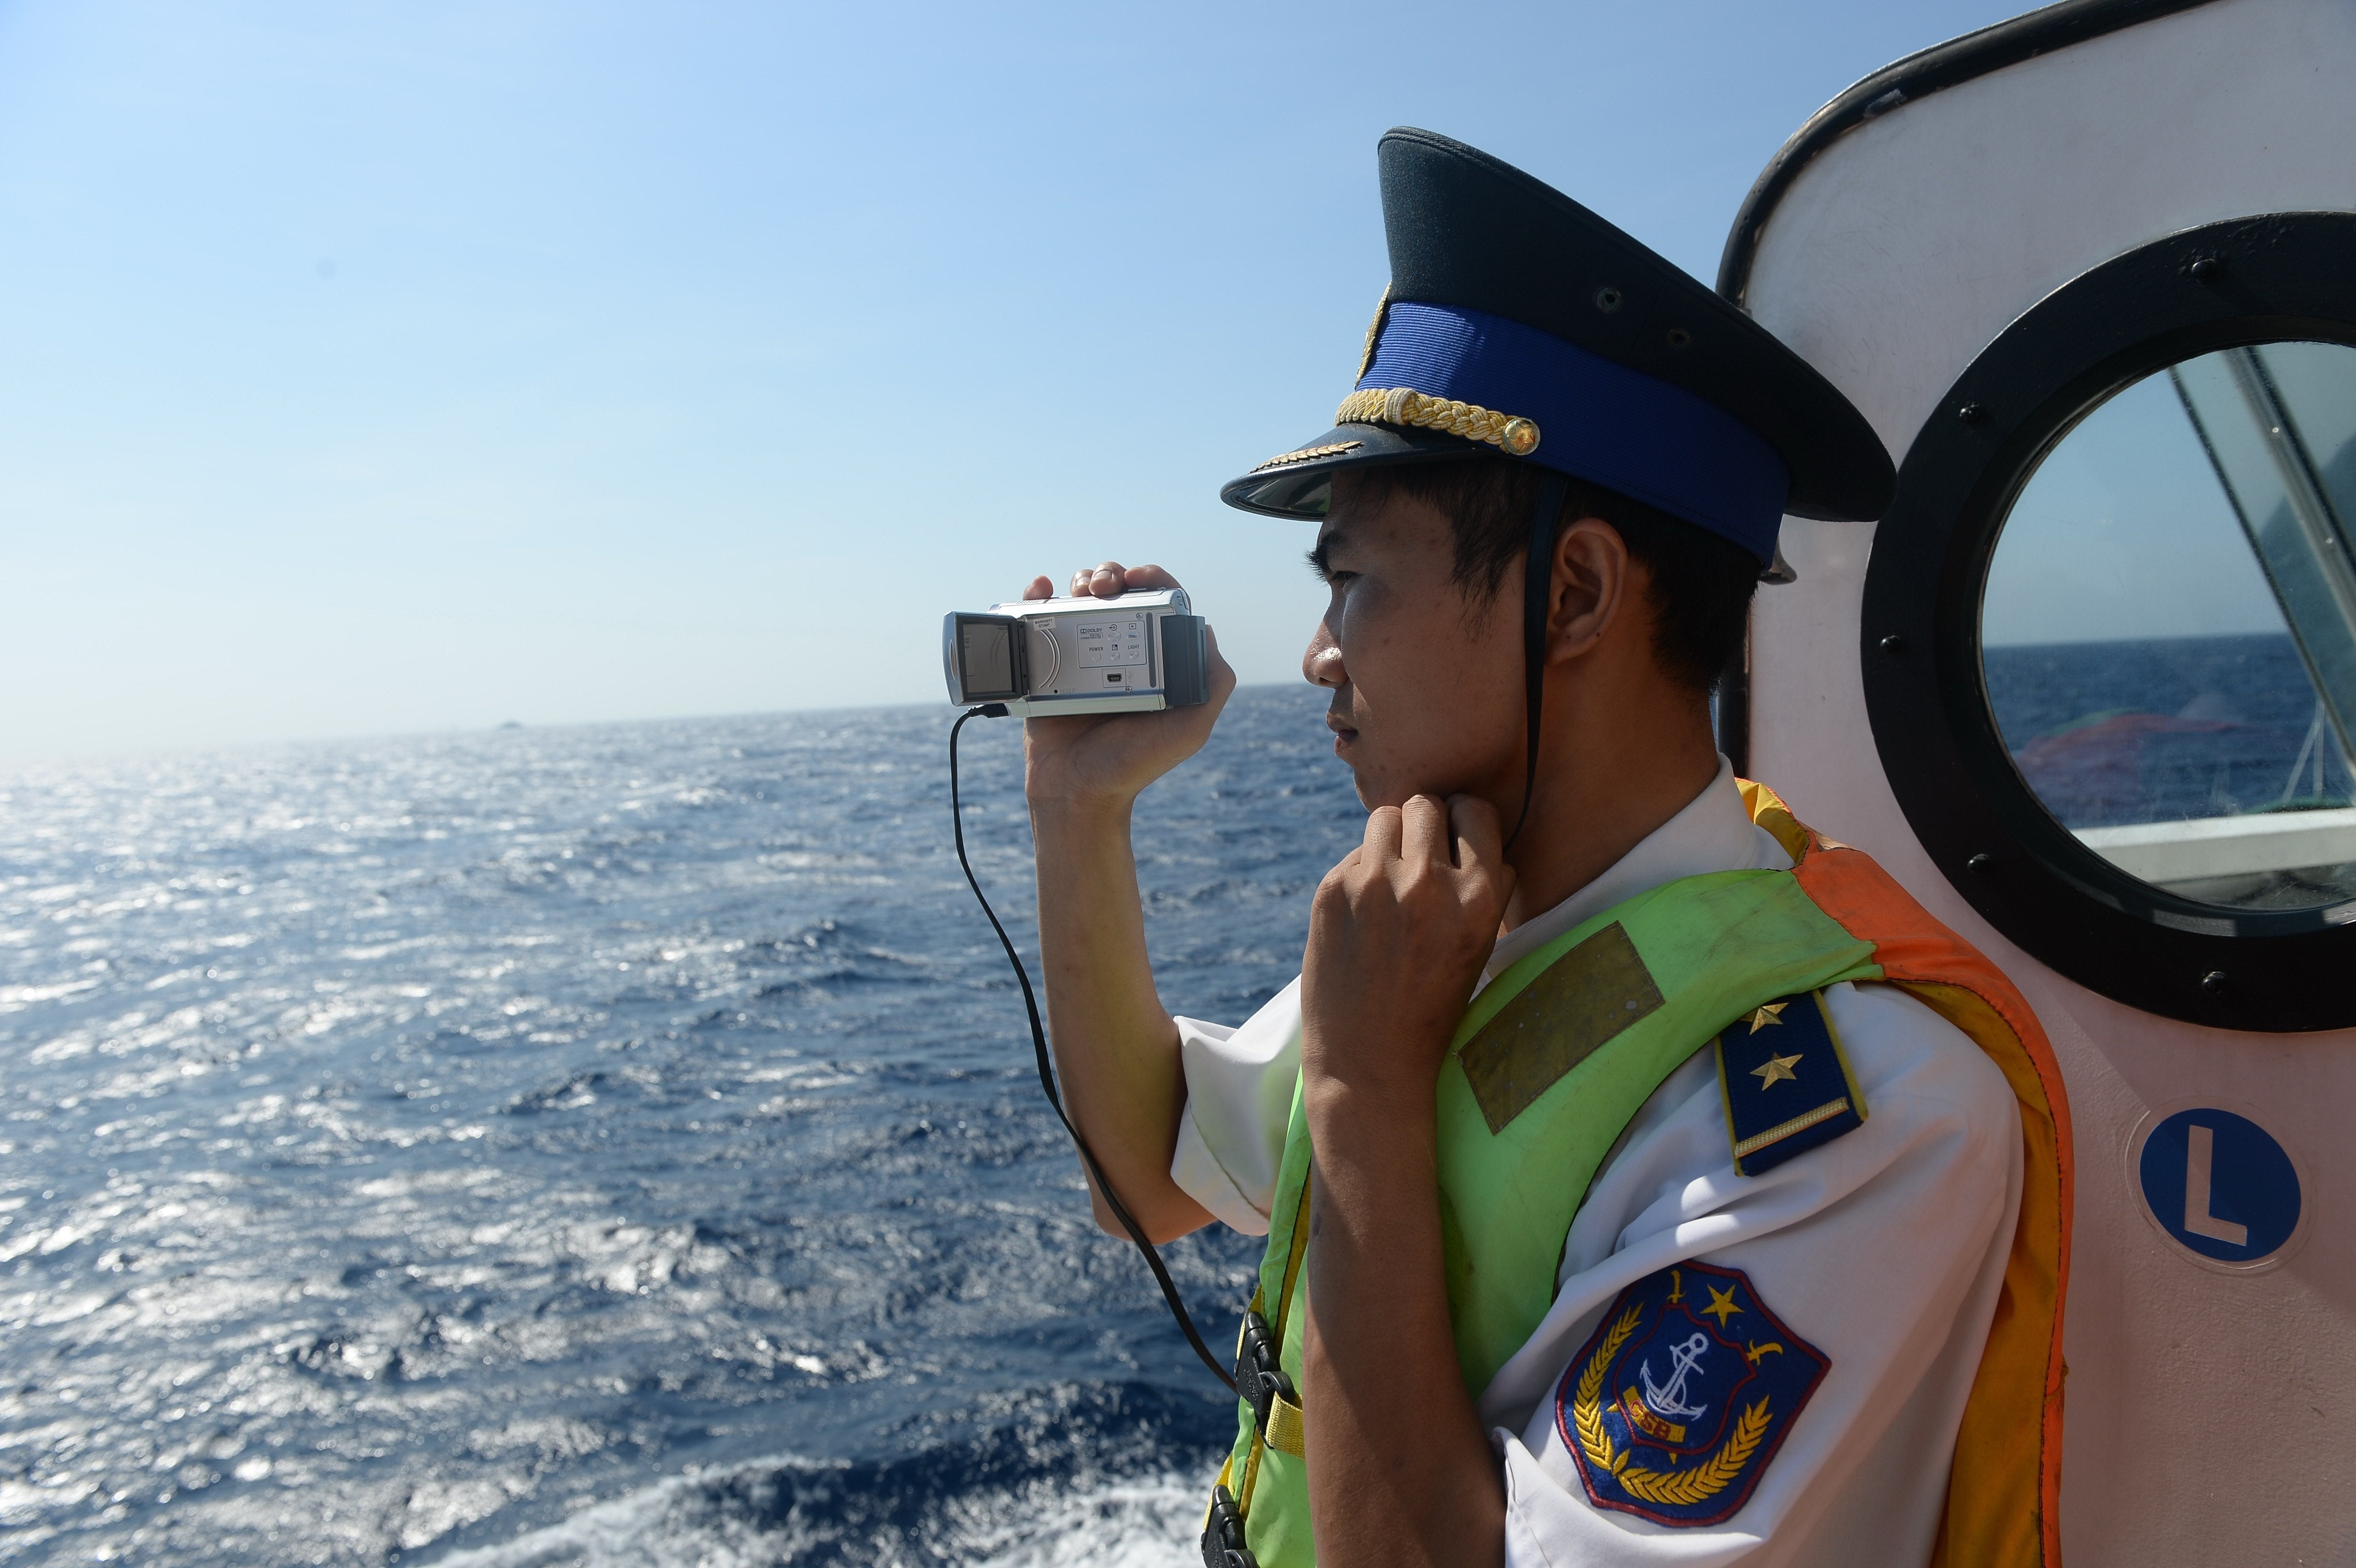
x: 1135, y: 654
x: 989, y: 650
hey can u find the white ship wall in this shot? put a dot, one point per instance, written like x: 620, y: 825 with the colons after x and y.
x: 2210, y: 1417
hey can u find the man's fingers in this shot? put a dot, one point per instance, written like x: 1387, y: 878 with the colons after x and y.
x: 1424, y: 834
x: 1148, y: 579
x: 1382, y: 833
x: 1110, y: 580
x: 1479, y: 843
x: 1042, y: 587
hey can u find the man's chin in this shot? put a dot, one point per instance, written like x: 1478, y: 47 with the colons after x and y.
x: 1374, y: 794
x: 1378, y: 788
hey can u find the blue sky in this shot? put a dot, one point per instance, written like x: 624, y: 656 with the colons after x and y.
x: 2124, y: 531
x: 382, y: 369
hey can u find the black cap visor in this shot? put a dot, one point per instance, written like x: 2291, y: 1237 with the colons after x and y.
x: 1301, y: 486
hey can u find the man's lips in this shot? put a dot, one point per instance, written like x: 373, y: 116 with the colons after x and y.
x: 1342, y: 733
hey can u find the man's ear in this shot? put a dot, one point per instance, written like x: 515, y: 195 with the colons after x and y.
x: 1591, y: 587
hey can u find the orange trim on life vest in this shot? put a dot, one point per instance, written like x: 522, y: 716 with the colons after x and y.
x: 2003, y: 1496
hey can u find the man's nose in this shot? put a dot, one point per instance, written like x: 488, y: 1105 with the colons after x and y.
x: 1322, y: 665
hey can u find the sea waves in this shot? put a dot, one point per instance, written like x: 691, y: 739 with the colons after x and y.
x: 592, y: 1142
x: 1083, y: 1477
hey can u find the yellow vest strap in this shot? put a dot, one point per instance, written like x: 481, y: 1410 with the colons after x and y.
x: 1284, y: 1431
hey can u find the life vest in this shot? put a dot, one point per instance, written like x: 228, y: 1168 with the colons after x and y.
x: 1553, y: 1059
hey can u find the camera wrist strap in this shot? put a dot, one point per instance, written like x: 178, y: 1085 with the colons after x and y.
x: 1047, y: 1071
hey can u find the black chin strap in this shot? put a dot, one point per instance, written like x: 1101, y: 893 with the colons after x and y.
x: 1537, y: 596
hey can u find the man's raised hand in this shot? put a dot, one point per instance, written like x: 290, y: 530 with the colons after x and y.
x: 1106, y: 759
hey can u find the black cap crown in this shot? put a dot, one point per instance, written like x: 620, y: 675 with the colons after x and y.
x: 1520, y: 323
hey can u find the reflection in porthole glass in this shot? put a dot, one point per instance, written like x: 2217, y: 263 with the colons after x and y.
x: 2168, y: 635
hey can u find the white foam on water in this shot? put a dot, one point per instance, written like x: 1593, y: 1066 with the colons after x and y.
x: 1154, y: 1521
x: 687, y: 1522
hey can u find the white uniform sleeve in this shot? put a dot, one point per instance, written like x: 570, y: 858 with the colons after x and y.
x: 1240, y: 1084
x: 1884, y: 1249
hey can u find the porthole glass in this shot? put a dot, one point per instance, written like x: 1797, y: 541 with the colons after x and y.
x: 2169, y: 629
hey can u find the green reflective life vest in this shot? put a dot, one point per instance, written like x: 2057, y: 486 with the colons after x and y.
x: 1552, y: 1060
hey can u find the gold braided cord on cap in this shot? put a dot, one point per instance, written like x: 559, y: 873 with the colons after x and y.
x: 1406, y: 405
x: 1310, y: 453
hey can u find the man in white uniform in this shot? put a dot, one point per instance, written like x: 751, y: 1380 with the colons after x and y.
x: 1798, y: 1321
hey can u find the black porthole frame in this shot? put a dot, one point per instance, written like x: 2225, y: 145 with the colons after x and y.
x: 2282, y: 276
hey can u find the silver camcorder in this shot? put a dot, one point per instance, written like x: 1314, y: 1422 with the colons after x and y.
x: 1041, y: 656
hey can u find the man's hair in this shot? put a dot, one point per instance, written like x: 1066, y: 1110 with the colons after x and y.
x: 1701, y: 584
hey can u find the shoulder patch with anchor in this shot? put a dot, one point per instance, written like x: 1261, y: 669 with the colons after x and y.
x: 1786, y: 1083
x: 1676, y: 1405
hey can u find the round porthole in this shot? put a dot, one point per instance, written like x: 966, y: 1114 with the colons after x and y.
x: 2109, y: 632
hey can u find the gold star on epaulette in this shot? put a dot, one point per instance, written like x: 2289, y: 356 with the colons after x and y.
x: 1721, y: 1305
x: 1772, y: 1013
x: 1777, y: 1070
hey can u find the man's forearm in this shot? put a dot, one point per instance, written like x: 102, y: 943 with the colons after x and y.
x: 1400, y: 1471
x: 1116, y: 1046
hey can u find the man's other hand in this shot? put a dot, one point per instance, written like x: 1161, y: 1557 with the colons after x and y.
x: 1396, y: 935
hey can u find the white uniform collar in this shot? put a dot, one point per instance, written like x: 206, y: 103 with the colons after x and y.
x: 1713, y: 833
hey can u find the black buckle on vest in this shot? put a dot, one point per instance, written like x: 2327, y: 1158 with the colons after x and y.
x: 1223, y: 1538
x: 1258, y: 1377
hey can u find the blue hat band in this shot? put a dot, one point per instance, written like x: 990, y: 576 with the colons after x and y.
x: 1597, y: 420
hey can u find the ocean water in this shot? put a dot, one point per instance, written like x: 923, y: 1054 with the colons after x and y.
x: 2165, y: 728
x: 604, y: 1146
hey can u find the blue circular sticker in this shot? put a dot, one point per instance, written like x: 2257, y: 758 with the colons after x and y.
x: 2220, y: 1184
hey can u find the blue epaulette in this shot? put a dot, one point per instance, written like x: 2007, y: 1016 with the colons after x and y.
x: 1786, y: 1083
